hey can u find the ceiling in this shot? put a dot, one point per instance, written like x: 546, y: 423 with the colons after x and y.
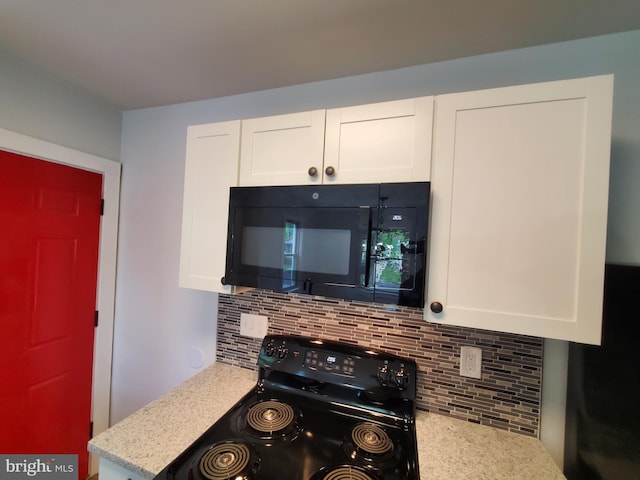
x: 142, y: 53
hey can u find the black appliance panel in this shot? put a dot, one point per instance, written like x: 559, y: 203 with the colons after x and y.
x: 602, y: 434
x: 342, y: 373
x: 359, y: 242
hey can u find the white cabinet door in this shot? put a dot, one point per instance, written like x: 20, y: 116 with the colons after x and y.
x: 380, y: 142
x: 211, y: 168
x: 519, y: 208
x: 280, y: 150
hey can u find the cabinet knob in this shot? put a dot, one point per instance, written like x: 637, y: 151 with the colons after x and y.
x: 330, y: 171
x: 313, y: 171
x: 436, y: 307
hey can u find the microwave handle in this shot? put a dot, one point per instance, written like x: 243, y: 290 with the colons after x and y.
x: 365, y: 229
x: 306, y: 286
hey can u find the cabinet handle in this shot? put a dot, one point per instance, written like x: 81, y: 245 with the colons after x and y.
x: 330, y: 171
x: 313, y: 171
x: 436, y: 307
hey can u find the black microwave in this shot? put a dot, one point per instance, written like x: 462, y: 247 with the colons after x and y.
x: 363, y: 242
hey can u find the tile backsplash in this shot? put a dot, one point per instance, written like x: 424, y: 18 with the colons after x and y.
x: 507, y: 396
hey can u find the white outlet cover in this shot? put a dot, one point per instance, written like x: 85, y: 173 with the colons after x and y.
x: 471, y: 362
x: 254, y: 326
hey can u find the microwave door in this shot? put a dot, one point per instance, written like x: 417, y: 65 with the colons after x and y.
x: 334, y: 251
x: 299, y: 249
x: 356, y: 285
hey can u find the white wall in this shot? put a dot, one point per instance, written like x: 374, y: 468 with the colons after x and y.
x: 157, y: 323
x: 41, y: 107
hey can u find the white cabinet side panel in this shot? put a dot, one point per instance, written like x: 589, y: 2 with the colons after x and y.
x: 211, y: 169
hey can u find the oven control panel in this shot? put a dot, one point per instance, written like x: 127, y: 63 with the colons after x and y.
x: 338, y: 363
x: 330, y: 362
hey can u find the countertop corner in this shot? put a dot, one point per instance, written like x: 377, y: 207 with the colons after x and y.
x: 149, y: 439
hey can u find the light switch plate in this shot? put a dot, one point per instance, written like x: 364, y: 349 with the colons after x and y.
x: 471, y: 362
x: 254, y: 326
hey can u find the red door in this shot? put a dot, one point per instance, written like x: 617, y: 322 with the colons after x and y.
x: 49, y: 233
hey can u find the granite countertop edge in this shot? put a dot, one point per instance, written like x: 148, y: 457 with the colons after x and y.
x: 149, y: 439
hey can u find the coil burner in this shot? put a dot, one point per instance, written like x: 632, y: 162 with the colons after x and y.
x: 347, y: 472
x: 371, y: 438
x: 271, y: 419
x: 226, y: 461
x: 369, y: 444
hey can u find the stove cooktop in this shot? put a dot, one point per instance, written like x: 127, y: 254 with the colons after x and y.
x: 297, y: 424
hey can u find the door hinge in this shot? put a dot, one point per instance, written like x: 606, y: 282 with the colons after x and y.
x: 95, y: 319
x: 101, y: 206
x: 90, y: 429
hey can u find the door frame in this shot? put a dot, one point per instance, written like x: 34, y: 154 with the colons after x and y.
x: 105, y: 301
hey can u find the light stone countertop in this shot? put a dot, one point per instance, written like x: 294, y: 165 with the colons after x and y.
x: 451, y: 449
x: 448, y: 449
x: 149, y: 439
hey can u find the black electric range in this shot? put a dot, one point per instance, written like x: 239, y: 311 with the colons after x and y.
x: 320, y: 410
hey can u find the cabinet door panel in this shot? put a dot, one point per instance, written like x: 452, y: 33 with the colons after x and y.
x: 382, y: 142
x: 211, y: 168
x: 520, y: 184
x: 279, y: 150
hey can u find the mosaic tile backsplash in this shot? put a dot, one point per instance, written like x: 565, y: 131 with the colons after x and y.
x: 507, y: 396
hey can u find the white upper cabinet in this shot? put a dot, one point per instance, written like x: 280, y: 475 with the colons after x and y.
x: 381, y: 142
x: 280, y: 150
x: 211, y: 167
x: 385, y: 142
x: 519, y: 209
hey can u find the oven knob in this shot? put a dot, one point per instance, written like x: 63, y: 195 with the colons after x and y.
x: 401, y: 379
x: 383, y: 375
x: 270, y: 350
x: 282, y: 352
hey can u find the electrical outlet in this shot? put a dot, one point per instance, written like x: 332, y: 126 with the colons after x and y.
x: 471, y: 362
x: 254, y: 326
